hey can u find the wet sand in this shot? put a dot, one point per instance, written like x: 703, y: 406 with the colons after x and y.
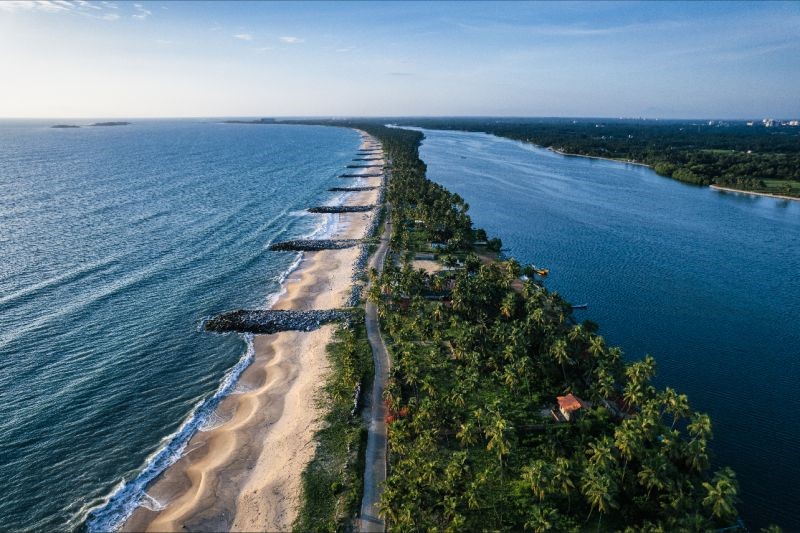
x: 244, y: 474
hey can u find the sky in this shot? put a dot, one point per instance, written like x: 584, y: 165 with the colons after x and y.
x: 204, y: 59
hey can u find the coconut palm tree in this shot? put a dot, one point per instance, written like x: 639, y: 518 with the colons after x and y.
x: 675, y: 404
x: 508, y: 305
x: 627, y: 442
x: 597, y: 346
x: 558, y: 350
x: 700, y: 426
x: 537, y: 476
x: 600, y: 490
x: 721, y: 494
x: 542, y: 519
x: 561, y: 478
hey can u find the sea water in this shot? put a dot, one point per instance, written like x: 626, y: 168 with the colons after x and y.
x: 705, y: 281
x: 115, y: 243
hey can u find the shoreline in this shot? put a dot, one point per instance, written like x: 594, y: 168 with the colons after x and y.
x: 567, y: 154
x: 244, y: 473
x: 754, y: 193
x: 711, y: 186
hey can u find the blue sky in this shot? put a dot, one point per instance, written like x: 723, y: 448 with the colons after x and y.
x: 148, y: 59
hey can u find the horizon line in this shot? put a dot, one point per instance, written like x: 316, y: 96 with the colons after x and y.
x: 373, y: 117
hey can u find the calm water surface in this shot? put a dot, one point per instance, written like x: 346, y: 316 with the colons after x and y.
x: 114, y: 243
x: 705, y: 281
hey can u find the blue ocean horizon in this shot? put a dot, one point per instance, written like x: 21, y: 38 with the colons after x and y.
x: 117, y: 243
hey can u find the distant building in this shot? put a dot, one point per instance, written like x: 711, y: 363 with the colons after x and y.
x: 794, y: 123
x: 750, y: 123
x: 569, y: 406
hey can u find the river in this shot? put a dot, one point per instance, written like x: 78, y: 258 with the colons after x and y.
x: 703, y: 280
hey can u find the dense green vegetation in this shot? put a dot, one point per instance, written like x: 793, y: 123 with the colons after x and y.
x: 480, y: 355
x: 333, y: 482
x: 729, y: 155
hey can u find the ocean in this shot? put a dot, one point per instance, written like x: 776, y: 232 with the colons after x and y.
x: 115, y: 243
x: 704, y: 281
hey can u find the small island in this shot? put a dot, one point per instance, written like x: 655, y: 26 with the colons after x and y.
x: 256, y: 121
x: 111, y: 124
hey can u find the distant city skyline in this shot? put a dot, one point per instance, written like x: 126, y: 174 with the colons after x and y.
x: 720, y: 60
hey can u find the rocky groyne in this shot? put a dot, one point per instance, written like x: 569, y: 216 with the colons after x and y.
x: 378, y: 175
x: 351, y: 189
x: 312, y: 245
x: 364, y: 166
x: 341, y: 208
x: 266, y: 321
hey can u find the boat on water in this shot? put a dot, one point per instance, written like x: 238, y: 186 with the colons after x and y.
x: 581, y: 306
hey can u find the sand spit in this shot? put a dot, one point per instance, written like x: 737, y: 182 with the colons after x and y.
x: 243, y: 474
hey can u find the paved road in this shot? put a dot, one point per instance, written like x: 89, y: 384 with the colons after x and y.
x: 375, y: 467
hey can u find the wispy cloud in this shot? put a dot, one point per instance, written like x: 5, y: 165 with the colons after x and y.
x: 571, y: 30
x: 40, y: 5
x: 141, y: 12
x: 244, y: 36
x: 292, y: 40
x: 85, y: 8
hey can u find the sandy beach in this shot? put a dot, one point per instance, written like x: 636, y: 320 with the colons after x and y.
x: 754, y: 193
x: 244, y: 474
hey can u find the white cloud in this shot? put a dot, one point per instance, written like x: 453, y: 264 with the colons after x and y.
x: 244, y: 36
x: 292, y: 40
x: 87, y: 4
x: 141, y: 12
x: 83, y: 8
x: 345, y: 50
x: 41, y: 5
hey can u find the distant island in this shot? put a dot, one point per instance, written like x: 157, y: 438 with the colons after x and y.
x: 65, y: 126
x: 111, y: 124
x: 255, y: 121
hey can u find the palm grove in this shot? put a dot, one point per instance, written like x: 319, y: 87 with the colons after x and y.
x: 468, y: 444
x: 479, y: 355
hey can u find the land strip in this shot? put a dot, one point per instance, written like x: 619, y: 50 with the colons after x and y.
x: 243, y: 470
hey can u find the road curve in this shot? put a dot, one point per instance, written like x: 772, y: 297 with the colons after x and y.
x: 375, y: 460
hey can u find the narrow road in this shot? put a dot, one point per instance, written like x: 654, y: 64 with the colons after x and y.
x: 375, y: 463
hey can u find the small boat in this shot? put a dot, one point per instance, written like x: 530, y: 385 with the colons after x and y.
x: 581, y: 306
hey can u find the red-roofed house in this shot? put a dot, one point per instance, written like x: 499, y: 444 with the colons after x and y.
x: 569, y: 406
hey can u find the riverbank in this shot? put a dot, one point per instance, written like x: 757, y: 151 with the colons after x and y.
x: 567, y: 154
x: 753, y: 193
x: 244, y: 472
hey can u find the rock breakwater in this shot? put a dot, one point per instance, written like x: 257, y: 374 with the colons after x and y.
x: 266, y: 321
x: 341, y: 208
x: 313, y: 245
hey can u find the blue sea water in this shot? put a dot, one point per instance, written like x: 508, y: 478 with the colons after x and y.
x: 115, y: 243
x: 705, y: 281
